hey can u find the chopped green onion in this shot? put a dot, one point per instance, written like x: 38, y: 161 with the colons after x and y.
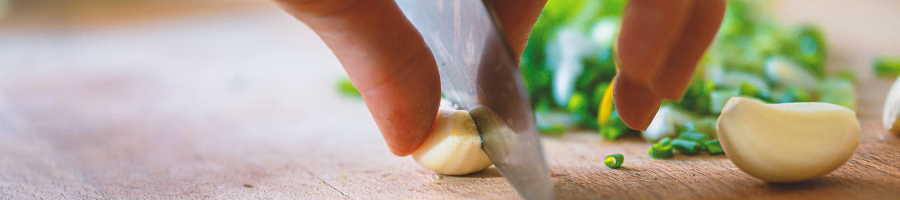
x: 665, y: 141
x: 686, y: 146
x: 346, y: 88
x: 847, y: 73
x: 748, y: 90
x: 887, y: 66
x: 693, y: 136
x: 614, y: 161
x: 660, y: 150
x: 713, y: 147
x: 686, y: 127
x: 552, y: 129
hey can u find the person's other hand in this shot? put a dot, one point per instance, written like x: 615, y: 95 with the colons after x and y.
x: 659, y: 46
x: 389, y: 62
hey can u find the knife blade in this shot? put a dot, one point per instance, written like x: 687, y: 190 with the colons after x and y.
x: 479, y: 73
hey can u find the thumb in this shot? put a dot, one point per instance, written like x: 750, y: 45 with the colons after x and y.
x: 386, y: 59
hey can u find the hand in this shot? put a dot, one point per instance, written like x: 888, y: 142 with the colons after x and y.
x: 395, y: 72
x: 660, y: 43
x: 389, y: 62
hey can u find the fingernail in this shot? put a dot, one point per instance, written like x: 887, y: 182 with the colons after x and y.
x: 635, y: 103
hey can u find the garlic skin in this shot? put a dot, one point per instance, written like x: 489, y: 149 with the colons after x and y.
x: 788, y: 142
x: 453, y: 146
x: 892, y: 108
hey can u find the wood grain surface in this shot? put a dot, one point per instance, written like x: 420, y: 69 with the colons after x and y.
x: 241, y: 105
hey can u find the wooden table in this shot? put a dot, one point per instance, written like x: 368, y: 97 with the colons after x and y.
x: 241, y: 104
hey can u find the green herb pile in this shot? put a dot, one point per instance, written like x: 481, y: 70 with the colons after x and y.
x: 568, y: 67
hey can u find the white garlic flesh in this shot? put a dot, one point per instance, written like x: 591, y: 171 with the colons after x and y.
x: 453, y: 146
x: 787, y: 142
x: 892, y: 108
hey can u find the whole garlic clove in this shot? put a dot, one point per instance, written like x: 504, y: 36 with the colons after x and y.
x: 453, y: 146
x: 892, y: 108
x: 787, y: 142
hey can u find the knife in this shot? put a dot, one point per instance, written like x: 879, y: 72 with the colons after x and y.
x: 479, y: 73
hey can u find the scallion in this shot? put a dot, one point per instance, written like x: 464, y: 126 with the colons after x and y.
x: 713, y: 147
x: 686, y: 146
x: 693, y: 136
x: 614, y: 161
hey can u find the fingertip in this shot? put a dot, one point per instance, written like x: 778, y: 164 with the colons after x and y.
x: 675, y: 76
x: 635, y: 103
x: 404, y: 114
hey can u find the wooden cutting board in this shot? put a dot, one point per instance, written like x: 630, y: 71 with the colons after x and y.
x: 241, y: 104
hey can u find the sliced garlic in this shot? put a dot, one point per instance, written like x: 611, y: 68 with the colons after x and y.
x: 892, y: 108
x: 787, y: 142
x: 453, y: 146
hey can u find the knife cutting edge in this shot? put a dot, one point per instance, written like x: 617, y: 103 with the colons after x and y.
x: 479, y: 73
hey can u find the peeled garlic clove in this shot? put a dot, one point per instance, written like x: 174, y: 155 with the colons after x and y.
x: 892, y: 108
x: 787, y: 142
x: 453, y: 146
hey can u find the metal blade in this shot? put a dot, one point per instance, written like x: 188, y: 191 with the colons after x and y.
x: 479, y: 73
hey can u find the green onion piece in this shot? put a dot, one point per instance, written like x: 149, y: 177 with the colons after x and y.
x: 345, y: 87
x: 665, y: 141
x: 713, y: 147
x: 694, y: 136
x: 748, y: 90
x: 686, y: 127
x: 887, y: 66
x: 660, y: 150
x: 686, y: 146
x: 551, y: 129
x: 848, y: 74
x: 614, y: 161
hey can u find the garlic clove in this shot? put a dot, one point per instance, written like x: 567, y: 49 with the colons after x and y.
x: 453, y: 146
x: 787, y: 142
x: 892, y: 108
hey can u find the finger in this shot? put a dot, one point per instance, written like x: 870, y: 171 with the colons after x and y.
x: 517, y: 18
x: 386, y: 59
x: 635, y: 103
x: 674, y: 77
x: 649, y: 30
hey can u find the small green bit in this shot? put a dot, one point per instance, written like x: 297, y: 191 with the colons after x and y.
x: 345, y: 87
x: 748, y: 90
x: 713, y: 147
x: 614, y: 161
x: 552, y: 129
x: 686, y: 146
x: 665, y: 141
x: 847, y: 74
x: 887, y: 66
x: 660, y: 150
x: 693, y: 136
